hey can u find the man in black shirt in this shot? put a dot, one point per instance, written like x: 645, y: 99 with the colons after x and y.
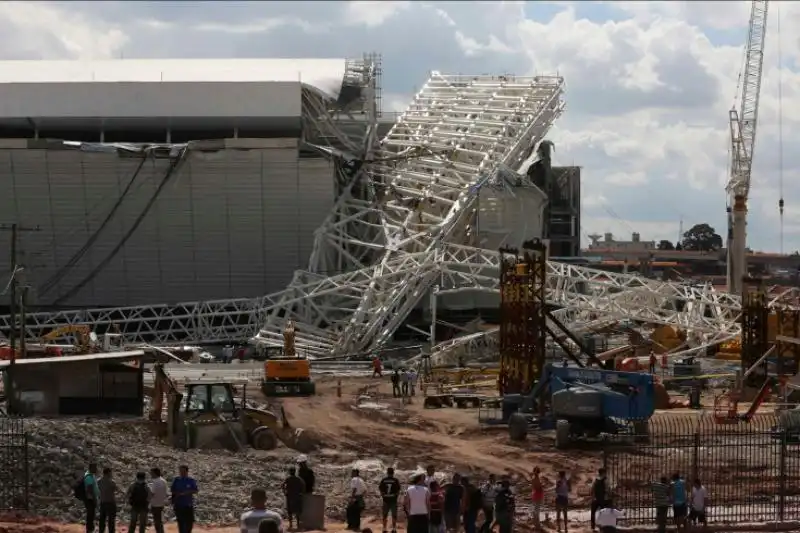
x: 472, y: 506
x: 453, y: 504
x: 504, y: 504
x: 599, y: 494
x: 294, y: 488
x: 389, y: 488
x: 305, y: 473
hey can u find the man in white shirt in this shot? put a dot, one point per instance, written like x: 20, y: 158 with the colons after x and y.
x: 356, y: 506
x: 252, y: 519
x: 606, y: 518
x: 159, y: 500
x: 430, y: 475
x: 699, y: 499
x: 417, y: 505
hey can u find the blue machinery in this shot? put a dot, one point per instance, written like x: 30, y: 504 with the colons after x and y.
x: 581, y: 403
x: 578, y: 402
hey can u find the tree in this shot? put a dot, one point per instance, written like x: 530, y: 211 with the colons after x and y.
x: 701, y: 238
x: 664, y: 244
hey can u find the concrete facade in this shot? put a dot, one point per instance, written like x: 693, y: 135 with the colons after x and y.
x: 235, y: 219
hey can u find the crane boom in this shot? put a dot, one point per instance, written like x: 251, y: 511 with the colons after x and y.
x: 743, y: 136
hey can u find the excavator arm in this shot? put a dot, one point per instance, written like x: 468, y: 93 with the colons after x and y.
x: 163, y: 386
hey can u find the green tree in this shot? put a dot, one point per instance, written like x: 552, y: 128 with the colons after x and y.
x: 701, y: 238
x: 664, y: 244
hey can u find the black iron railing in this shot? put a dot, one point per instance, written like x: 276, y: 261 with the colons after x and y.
x: 751, y: 470
x: 14, y: 472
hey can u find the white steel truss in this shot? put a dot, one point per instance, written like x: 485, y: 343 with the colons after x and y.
x: 414, y: 193
x: 403, y: 213
x: 315, y: 302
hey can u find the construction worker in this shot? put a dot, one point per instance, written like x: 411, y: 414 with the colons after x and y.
x: 396, y: 383
x: 305, y: 473
x: 377, y: 367
x: 653, y: 362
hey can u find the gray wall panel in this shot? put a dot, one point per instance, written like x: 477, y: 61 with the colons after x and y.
x: 316, y: 182
x: 173, y: 211
x: 280, y: 198
x: 243, y: 184
x: 210, y: 224
x: 230, y: 223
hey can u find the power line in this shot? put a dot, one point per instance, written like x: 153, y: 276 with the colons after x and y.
x: 15, y: 230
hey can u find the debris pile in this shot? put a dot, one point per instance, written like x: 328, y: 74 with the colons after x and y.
x: 59, y: 451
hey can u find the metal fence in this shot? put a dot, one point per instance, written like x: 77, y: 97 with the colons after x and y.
x: 751, y: 472
x: 14, y: 472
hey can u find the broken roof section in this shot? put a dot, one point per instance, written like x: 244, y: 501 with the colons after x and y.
x: 324, y: 75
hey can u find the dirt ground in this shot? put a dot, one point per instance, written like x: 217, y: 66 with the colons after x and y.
x: 408, y: 437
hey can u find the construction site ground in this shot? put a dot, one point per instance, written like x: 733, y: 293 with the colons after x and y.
x: 361, y: 424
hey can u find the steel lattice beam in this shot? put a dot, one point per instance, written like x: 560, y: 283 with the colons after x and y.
x: 403, y: 210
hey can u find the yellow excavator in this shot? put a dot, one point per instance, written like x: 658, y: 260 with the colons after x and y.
x: 288, y: 374
x: 81, y: 332
x: 208, y: 415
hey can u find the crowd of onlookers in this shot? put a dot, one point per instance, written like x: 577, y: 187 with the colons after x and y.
x: 429, y: 503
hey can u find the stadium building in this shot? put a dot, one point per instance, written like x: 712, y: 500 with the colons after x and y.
x: 172, y: 180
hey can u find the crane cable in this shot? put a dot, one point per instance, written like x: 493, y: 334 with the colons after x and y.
x: 780, y: 126
x: 59, y: 275
x: 174, y: 163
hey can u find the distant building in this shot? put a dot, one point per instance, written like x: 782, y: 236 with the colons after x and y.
x: 608, y: 244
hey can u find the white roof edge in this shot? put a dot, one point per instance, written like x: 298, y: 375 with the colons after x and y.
x: 131, y: 354
x: 324, y: 75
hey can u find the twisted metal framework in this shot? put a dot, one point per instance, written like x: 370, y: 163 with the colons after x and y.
x: 402, y: 218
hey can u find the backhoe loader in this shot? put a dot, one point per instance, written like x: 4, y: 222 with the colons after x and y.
x: 207, y: 415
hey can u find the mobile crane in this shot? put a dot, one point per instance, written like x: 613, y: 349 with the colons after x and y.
x: 743, y: 136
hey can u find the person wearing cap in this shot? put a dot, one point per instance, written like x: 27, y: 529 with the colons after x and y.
x: 305, y: 473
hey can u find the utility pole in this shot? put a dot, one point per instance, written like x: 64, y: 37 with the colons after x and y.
x: 15, y: 230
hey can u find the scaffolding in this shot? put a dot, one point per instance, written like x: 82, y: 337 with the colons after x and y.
x: 788, y: 353
x: 755, y: 334
x: 523, y: 317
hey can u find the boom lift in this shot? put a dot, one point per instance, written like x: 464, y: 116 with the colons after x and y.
x: 576, y: 401
x: 208, y: 416
x: 743, y: 137
x: 581, y: 403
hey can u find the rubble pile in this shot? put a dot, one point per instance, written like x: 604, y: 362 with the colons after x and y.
x: 60, y: 449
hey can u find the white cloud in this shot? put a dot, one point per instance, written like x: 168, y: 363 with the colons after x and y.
x: 372, y: 13
x: 649, y: 83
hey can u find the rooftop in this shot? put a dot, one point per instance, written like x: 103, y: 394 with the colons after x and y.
x: 325, y: 75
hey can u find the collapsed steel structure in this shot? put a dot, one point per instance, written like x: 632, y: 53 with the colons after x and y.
x: 402, y: 224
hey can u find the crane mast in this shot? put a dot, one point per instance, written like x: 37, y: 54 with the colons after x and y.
x: 743, y: 136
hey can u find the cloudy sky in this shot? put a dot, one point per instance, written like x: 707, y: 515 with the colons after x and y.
x: 649, y: 83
